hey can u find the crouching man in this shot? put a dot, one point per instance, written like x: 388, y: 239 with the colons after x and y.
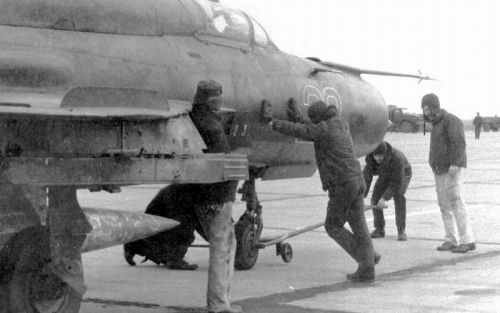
x: 175, y: 201
x: 394, y: 175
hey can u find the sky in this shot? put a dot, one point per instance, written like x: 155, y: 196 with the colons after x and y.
x: 455, y: 41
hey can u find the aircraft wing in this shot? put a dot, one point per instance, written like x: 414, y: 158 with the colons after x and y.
x: 94, y: 103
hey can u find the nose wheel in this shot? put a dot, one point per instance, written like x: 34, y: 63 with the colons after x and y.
x: 247, y: 237
x: 249, y: 228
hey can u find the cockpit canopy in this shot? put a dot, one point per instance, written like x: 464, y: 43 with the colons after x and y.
x: 231, y: 24
x: 135, y: 17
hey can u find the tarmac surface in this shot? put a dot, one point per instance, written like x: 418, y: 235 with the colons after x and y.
x: 411, y: 277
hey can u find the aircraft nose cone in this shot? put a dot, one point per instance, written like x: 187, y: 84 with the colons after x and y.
x: 368, y: 122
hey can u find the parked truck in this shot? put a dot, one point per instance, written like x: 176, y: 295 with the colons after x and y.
x: 491, y: 123
x: 405, y: 122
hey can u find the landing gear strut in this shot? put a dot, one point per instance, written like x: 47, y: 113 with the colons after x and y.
x: 248, y: 228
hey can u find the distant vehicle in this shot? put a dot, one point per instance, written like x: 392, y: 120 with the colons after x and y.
x: 491, y: 123
x: 404, y: 122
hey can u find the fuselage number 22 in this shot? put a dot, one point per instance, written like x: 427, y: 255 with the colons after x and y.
x: 329, y: 95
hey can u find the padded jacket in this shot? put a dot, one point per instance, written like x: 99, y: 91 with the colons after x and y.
x: 392, y: 172
x: 333, y: 148
x: 208, y: 124
x: 447, y: 143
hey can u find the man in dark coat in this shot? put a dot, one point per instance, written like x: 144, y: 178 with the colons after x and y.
x: 340, y: 174
x: 478, y: 123
x: 169, y: 247
x: 394, y: 175
x: 448, y: 161
x: 205, y: 207
x: 214, y: 201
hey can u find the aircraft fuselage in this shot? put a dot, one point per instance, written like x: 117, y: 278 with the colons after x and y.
x: 57, y: 59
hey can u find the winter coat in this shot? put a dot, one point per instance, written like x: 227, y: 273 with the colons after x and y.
x: 447, y: 143
x: 176, y: 201
x: 333, y: 148
x: 208, y: 124
x: 478, y: 121
x: 392, y: 172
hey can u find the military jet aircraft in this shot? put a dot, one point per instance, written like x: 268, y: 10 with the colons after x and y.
x: 95, y: 95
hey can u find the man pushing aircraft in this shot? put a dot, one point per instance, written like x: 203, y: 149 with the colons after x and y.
x: 341, y: 176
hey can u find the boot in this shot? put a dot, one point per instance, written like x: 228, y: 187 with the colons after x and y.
x: 378, y: 233
x: 181, y: 265
x: 446, y: 246
x: 464, y: 247
x: 362, y: 276
x: 129, y: 254
x: 232, y: 309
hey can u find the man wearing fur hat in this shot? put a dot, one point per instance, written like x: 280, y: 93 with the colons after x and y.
x: 394, y: 174
x: 448, y: 160
x: 206, y: 208
x: 340, y: 174
x: 214, y: 201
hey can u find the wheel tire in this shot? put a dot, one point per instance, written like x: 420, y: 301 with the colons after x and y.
x: 246, y: 252
x: 408, y: 127
x: 29, y: 289
x: 286, y: 252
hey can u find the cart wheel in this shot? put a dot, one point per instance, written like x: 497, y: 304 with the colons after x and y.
x: 286, y: 252
x: 246, y: 251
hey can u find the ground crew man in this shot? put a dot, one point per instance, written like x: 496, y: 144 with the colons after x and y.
x: 169, y: 247
x: 394, y: 175
x: 448, y: 160
x: 340, y: 174
x: 214, y: 201
x: 205, y: 207
x: 478, y: 123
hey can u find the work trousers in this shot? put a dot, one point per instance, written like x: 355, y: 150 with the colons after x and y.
x: 346, y: 204
x: 477, y: 132
x: 453, y: 210
x: 217, y: 223
x: 398, y: 193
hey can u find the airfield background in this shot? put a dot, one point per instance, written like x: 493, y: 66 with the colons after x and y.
x: 412, y: 275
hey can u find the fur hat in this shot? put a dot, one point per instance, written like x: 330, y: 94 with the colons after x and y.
x: 205, y: 90
x: 215, y: 103
x: 318, y: 111
x: 431, y: 100
x: 381, y: 149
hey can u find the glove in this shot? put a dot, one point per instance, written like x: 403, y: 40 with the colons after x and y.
x: 266, y: 112
x: 293, y: 111
x: 453, y: 170
x: 381, y: 203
